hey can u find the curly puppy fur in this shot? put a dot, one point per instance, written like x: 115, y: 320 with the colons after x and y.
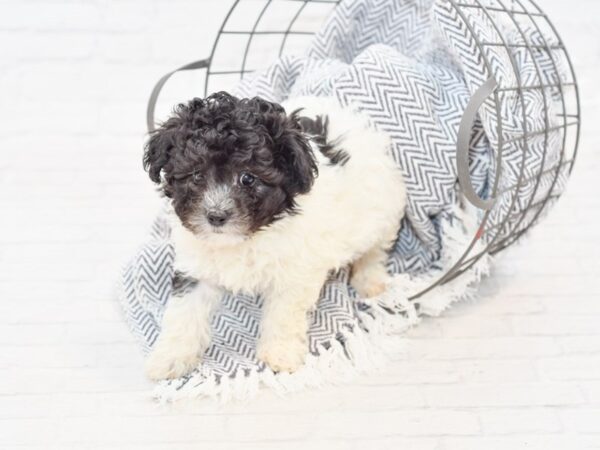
x: 214, y: 140
x: 268, y: 202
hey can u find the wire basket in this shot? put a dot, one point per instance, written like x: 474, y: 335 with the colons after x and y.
x: 255, y: 32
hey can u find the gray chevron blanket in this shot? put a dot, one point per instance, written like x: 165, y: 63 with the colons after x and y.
x: 411, y: 66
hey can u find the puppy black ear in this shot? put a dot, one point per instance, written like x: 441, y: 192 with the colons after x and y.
x: 157, y: 152
x: 299, y: 157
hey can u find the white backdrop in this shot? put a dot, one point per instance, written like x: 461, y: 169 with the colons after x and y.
x: 520, y: 367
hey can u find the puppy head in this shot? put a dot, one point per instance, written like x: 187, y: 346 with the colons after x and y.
x: 230, y: 166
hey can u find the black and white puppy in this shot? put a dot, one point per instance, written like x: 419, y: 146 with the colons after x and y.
x: 268, y: 202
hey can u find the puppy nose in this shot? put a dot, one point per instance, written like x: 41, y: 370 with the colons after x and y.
x: 217, y: 219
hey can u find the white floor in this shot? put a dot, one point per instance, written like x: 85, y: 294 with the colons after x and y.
x: 519, y: 368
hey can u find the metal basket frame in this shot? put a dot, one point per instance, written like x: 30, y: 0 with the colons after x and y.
x: 498, y: 236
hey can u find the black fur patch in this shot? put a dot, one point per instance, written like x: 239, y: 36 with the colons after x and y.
x: 213, y: 141
x: 317, y: 128
x: 183, y: 284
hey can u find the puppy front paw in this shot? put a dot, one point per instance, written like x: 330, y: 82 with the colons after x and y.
x: 167, y: 363
x: 282, y: 355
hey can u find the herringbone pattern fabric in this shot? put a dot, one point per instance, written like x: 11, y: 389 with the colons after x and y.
x: 411, y: 67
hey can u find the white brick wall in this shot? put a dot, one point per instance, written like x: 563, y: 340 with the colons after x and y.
x: 520, y: 368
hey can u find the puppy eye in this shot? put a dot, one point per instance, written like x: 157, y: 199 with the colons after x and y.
x: 247, y: 179
x: 197, y: 177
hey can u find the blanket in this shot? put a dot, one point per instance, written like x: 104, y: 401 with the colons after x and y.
x: 411, y: 66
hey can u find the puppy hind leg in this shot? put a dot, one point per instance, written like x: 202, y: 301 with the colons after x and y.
x: 185, y: 333
x: 369, y: 274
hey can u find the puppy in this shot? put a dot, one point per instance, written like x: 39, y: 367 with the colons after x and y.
x: 267, y: 199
